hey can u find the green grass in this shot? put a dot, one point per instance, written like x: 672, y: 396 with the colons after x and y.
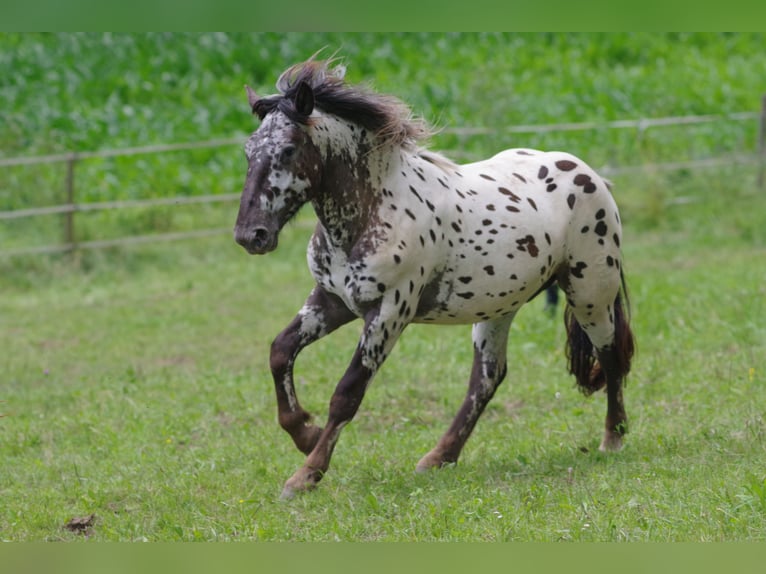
x: 134, y: 382
x: 136, y: 387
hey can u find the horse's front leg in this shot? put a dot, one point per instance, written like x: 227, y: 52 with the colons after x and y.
x: 320, y: 315
x: 490, y: 339
x: 379, y: 336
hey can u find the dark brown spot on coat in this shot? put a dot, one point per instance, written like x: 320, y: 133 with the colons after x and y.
x: 416, y: 194
x: 566, y: 165
x: 571, y: 200
x: 577, y: 269
x: 509, y: 193
x: 583, y: 180
x: 543, y: 173
x: 528, y: 244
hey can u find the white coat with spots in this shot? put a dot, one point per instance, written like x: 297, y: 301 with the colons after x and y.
x: 405, y: 235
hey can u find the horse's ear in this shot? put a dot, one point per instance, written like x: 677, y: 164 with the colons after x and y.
x: 304, y: 99
x: 252, y: 97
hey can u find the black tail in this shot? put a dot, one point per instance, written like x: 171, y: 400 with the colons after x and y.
x: 583, y: 363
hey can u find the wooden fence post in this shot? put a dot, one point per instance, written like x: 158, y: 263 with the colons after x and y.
x: 762, y: 143
x: 69, y: 215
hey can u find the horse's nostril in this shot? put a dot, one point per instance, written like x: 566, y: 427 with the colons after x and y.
x: 257, y: 237
x: 260, y: 236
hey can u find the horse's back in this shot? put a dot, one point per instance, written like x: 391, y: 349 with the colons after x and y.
x: 556, y: 194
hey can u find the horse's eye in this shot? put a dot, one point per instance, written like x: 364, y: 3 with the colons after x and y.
x: 287, y: 154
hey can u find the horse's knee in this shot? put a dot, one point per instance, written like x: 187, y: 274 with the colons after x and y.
x: 281, y: 354
x: 292, y: 420
x: 304, y: 434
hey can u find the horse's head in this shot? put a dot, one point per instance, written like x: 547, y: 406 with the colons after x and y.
x: 283, y: 168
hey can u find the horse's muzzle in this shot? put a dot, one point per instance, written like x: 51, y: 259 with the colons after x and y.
x: 256, y: 240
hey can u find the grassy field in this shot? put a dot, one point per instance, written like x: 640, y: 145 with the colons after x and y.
x: 135, y: 385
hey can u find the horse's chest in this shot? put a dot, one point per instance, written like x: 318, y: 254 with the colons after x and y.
x: 352, y: 281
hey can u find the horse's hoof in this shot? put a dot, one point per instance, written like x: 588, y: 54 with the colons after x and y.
x: 430, y: 461
x: 426, y: 463
x: 302, y: 481
x: 422, y: 468
x: 612, y: 442
x: 288, y: 493
x: 291, y: 490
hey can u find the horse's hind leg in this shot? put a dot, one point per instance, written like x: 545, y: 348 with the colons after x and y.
x: 321, y: 314
x: 600, y: 348
x: 616, y: 422
x: 489, y: 368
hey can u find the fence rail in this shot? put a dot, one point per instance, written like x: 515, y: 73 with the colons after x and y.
x: 121, y: 204
x: 127, y: 151
x: 639, y: 124
x: 71, y: 206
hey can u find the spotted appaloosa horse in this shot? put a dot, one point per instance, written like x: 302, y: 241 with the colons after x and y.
x: 404, y: 235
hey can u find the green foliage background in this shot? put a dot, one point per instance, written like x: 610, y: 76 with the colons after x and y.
x: 82, y: 92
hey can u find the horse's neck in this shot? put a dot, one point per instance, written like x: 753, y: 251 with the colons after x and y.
x: 353, y: 177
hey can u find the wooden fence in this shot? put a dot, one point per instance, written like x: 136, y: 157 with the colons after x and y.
x: 71, y: 207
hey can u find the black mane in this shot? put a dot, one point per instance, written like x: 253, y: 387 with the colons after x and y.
x: 384, y: 115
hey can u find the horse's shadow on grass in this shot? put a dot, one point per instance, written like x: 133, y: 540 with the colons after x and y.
x: 566, y: 465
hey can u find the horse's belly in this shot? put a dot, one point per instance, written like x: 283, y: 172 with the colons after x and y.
x: 482, y: 293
